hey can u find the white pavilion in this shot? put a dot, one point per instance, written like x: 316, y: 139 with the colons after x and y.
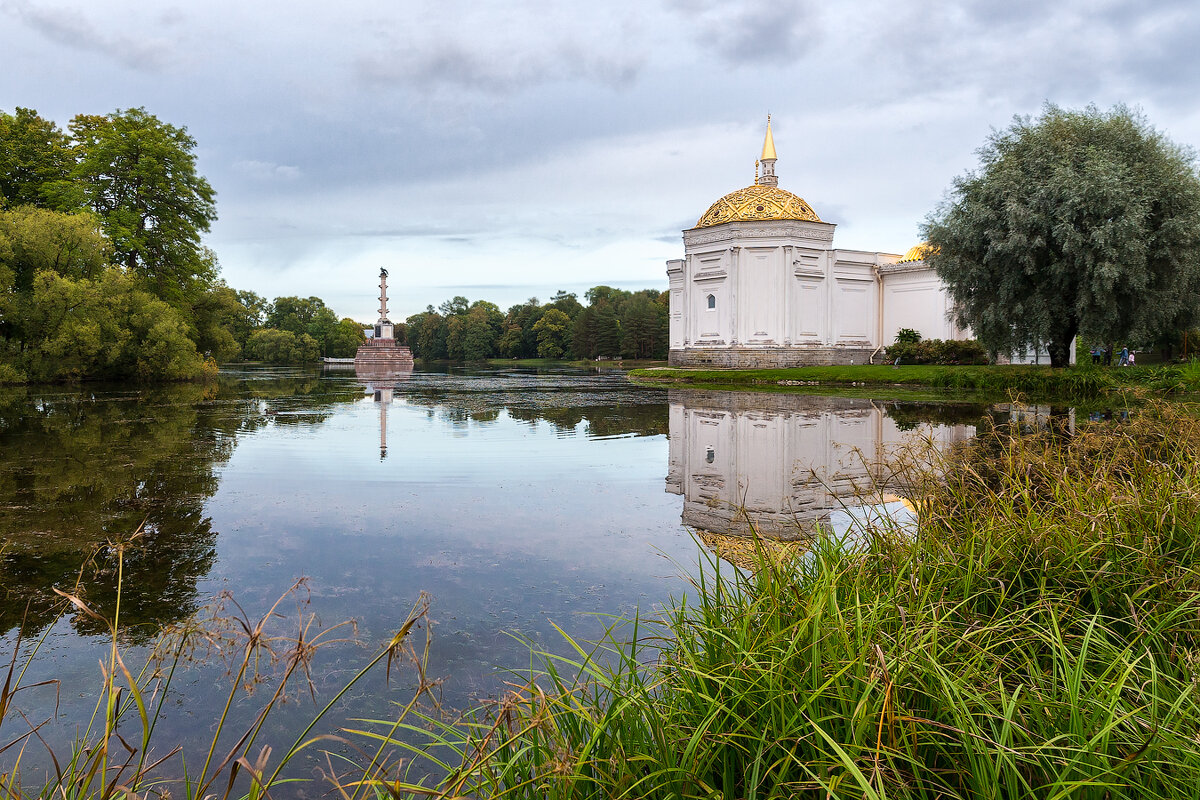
x: 761, y: 285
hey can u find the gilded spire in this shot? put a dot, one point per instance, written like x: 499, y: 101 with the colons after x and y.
x: 768, y: 160
x: 769, y: 142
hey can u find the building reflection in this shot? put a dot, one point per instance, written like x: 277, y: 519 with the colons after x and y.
x: 381, y: 386
x: 780, y: 463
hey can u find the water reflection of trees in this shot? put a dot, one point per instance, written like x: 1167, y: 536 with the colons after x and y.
x: 84, y: 467
x: 602, y: 414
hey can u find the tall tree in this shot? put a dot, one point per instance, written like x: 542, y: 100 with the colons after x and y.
x: 35, y: 162
x: 139, y: 175
x: 1078, y: 222
x: 554, y: 334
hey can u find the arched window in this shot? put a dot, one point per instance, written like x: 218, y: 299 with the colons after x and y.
x: 712, y: 301
x: 710, y: 455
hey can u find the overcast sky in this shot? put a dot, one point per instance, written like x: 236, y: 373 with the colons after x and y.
x: 507, y: 150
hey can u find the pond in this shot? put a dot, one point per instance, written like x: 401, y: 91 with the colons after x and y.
x: 519, y: 502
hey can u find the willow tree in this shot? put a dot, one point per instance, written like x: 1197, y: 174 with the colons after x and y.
x: 1076, y: 223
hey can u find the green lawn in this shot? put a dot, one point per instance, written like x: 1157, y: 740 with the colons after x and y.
x: 1072, y: 382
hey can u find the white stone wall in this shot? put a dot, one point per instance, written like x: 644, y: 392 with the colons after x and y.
x: 914, y: 297
x: 780, y: 284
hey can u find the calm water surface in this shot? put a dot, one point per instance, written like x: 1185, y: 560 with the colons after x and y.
x: 516, y: 500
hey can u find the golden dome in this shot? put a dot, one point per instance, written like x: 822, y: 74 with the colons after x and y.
x: 756, y: 203
x: 915, y: 253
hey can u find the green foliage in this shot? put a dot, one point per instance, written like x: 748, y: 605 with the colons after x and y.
x: 35, y: 239
x: 139, y: 175
x: 1079, y: 222
x: 427, y: 333
x: 907, y: 336
x: 282, y: 347
x: 937, y: 351
x: 473, y: 334
x: 108, y: 327
x: 35, y: 162
x: 343, y: 341
x: 553, y: 330
x: 10, y: 374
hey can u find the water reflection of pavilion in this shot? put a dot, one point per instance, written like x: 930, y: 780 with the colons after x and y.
x: 780, y: 462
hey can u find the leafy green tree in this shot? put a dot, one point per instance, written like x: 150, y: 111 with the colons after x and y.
x: 454, y: 306
x: 644, y: 327
x: 256, y: 311
x: 139, y: 175
x: 1078, y: 222
x: 218, y: 317
x: 108, y: 327
x: 522, y: 318
x: 473, y: 334
x: 566, y: 302
x: 35, y: 239
x: 344, y: 340
x: 294, y: 314
x: 282, y: 347
x: 608, y: 332
x: 427, y: 334
x: 35, y: 162
x: 553, y: 331
x: 322, y: 328
x: 583, y: 333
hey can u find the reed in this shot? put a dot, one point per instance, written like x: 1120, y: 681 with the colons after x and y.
x: 118, y: 755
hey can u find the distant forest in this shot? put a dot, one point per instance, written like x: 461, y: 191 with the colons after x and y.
x: 614, y: 324
x: 103, y: 275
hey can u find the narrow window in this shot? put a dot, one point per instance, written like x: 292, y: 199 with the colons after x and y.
x: 712, y: 301
x: 710, y: 456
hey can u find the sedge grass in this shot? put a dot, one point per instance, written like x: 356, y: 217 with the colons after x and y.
x: 117, y: 756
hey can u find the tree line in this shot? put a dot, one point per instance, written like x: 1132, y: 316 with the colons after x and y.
x: 102, y: 270
x: 615, y: 323
x: 103, y: 273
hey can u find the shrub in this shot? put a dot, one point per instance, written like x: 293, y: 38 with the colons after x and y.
x: 907, y: 336
x: 938, y: 351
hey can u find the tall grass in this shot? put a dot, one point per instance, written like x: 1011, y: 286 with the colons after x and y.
x: 1039, y: 637
x: 118, y: 755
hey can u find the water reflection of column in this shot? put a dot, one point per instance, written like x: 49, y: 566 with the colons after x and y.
x: 777, y: 462
x: 383, y: 396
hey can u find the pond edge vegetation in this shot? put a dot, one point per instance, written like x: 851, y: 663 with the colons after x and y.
x: 1072, y: 383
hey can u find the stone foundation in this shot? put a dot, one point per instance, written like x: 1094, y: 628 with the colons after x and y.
x: 768, y: 357
x: 382, y: 356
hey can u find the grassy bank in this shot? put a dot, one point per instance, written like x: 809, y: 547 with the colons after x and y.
x: 615, y: 363
x: 1071, y: 383
x: 1039, y: 637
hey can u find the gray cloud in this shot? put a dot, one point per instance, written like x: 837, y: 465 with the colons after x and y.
x: 751, y: 33
x: 71, y: 27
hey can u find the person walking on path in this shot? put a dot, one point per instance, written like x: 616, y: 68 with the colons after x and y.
x: 1124, y: 362
x: 1108, y: 355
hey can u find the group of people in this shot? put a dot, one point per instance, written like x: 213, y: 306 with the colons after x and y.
x: 1104, y: 355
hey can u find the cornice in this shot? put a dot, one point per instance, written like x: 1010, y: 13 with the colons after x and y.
x: 734, y: 231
